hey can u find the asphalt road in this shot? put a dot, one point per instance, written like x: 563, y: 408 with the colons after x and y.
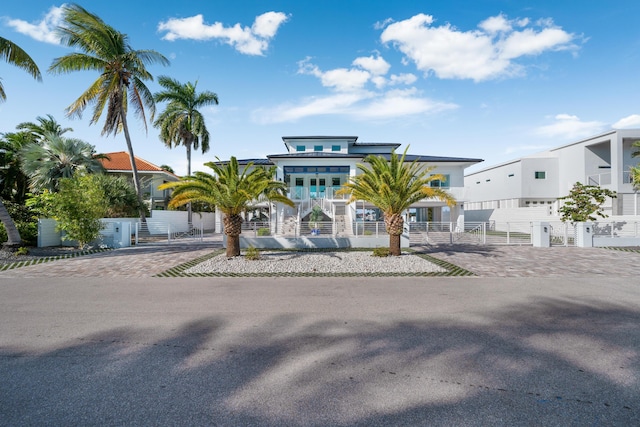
x: 320, y: 351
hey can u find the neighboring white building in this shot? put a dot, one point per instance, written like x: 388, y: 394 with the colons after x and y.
x: 540, y: 179
x: 316, y: 167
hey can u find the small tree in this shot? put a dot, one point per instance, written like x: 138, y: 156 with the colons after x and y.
x: 78, y: 207
x: 583, y: 202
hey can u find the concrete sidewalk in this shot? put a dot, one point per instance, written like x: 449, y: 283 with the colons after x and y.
x: 319, y: 351
x: 483, y: 260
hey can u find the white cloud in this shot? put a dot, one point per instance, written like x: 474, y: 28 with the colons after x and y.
x: 496, y: 24
x: 627, y: 122
x: 361, y: 92
x: 44, y: 30
x: 252, y: 40
x: 376, y: 66
x: 570, y: 127
x: 482, y: 54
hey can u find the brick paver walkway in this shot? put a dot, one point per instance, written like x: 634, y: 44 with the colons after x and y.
x: 484, y: 261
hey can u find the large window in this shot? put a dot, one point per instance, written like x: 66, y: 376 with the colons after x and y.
x: 336, y: 148
x: 441, y: 183
x: 318, y: 148
x: 301, y: 148
x: 540, y: 175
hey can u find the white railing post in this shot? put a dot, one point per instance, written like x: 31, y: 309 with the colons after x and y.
x: 169, y: 233
x: 137, y: 228
x: 484, y: 233
x: 508, y: 234
x: 451, y: 232
x: 612, y: 227
x: 377, y: 224
x: 566, y: 234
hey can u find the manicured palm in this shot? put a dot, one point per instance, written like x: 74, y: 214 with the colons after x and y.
x: 122, y: 73
x: 14, y: 183
x: 13, y: 54
x: 58, y: 158
x: 230, y: 191
x: 181, y: 123
x: 393, y: 186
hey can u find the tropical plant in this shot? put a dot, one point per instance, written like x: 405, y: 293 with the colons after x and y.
x: 583, y: 202
x: 635, y: 170
x: 229, y: 190
x: 13, y: 54
x: 45, y: 125
x: 120, y: 195
x: 14, y: 184
x: 25, y: 221
x: 122, y: 73
x: 393, y: 186
x: 181, y: 123
x: 58, y: 158
x: 78, y: 208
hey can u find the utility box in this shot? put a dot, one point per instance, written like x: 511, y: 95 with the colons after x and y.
x: 584, y: 234
x: 121, y: 234
x: 541, y: 237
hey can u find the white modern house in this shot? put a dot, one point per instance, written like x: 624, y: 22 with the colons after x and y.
x: 538, y: 180
x: 314, y: 168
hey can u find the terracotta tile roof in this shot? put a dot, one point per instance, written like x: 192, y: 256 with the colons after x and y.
x: 119, y: 161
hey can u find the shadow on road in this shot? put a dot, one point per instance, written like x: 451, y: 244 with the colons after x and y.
x: 550, y: 362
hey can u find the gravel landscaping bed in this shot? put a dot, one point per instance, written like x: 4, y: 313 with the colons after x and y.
x: 316, y: 262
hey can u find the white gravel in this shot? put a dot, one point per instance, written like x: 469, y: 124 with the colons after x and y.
x: 317, y: 262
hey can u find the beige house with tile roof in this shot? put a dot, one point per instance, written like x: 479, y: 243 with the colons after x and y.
x: 151, y: 177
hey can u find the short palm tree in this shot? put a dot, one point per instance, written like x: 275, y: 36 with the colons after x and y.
x: 230, y: 191
x: 393, y: 186
x: 58, y: 158
x: 14, y: 184
x: 13, y: 54
x: 122, y: 73
x: 181, y: 123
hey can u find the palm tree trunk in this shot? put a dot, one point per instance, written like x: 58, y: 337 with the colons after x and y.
x: 134, y: 168
x: 13, y: 235
x: 394, y: 224
x: 233, y: 229
x: 189, y: 213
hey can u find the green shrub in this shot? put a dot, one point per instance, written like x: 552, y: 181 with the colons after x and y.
x: 367, y: 233
x: 252, y: 254
x: 264, y: 231
x: 22, y: 251
x: 381, y: 252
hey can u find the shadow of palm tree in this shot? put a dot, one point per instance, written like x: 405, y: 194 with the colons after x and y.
x: 547, y: 362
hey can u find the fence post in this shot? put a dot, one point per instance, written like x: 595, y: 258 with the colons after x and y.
x: 484, y: 233
x: 566, y: 234
x: 451, y: 233
x: 377, y: 224
x: 508, y: 233
x: 169, y: 233
x: 137, y: 228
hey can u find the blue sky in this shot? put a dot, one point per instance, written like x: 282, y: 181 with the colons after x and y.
x: 485, y: 79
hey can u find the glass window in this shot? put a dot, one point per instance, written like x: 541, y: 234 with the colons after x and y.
x: 335, y: 148
x: 317, y: 148
x: 335, y: 181
x: 441, y: 183
x: 301, y: 148
x: 299, y: 182
x: 540, y: 175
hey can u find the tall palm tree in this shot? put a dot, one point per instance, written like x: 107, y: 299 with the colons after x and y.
x: 230, y: 191
x: 45, y: 125
x: 393, y: 186
x: 58, y: 158
x: 122, y: 73
x: 181, y: 123
x: 13, y: 54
